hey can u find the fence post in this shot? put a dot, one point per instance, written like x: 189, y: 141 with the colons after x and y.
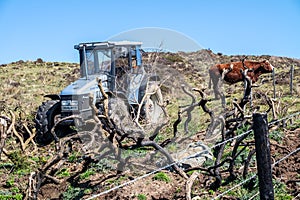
x: 291, y: 79
x: 263, y: 158
x: 274, y: 82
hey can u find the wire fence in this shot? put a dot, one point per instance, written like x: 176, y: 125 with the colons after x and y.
x: 165, y: 167
x: 284, y: 118
x: 254, y: 176
x: 203, y: 151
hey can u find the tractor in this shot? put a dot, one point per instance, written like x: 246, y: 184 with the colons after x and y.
x: 120, y: 68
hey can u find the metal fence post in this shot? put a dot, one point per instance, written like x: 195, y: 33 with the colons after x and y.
x: 263, y: 157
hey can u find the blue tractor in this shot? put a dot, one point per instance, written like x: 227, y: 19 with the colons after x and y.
x: 119, y: 66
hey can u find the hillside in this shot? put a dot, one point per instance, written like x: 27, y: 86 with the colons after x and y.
x: 75, y: 175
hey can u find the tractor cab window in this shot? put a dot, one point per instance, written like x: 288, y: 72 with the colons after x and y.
x: 90, y: 62
x: 122, y: 63
x: 98, y: 61
x: 127, y: 60
x: 104, y: 60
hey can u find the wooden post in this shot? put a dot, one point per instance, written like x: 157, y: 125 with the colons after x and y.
x: 263, y: 158
x: 274, y: 88
x: 291, y: 79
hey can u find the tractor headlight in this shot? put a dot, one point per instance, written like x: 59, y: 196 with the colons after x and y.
x: 69, y: 105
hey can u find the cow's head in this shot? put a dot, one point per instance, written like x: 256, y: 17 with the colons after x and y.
x: 266, y: 67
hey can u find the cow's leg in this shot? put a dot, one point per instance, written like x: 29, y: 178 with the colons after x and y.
x: 221, y: 93
x: 213, y: 81
x: 217, y: 82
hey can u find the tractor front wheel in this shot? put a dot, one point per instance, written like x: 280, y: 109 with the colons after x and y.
x: 45, y: 120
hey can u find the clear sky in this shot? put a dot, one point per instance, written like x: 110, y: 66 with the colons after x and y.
x: 49, y: 29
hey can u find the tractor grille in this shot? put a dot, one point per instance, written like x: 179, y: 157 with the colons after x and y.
x: 74, y: 104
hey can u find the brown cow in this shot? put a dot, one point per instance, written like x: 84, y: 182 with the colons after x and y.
x: 232, y: 72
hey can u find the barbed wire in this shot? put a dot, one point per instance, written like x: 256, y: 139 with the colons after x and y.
x: 286, y: 117
x: 257, y: 193
x: 191, y: 156
x: 243, y: 182
x: 166, y: 166
x: 285, y: 157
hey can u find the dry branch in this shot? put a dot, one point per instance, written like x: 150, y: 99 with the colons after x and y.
x: 60, y: 121
x: 166, y: 154
x: 247, y: 163
x: 105, y: 97
x: 36, y: 179
x: 3, y: 132
x: 20, y: 138
x: 189, y: 184
x: 31, y: 136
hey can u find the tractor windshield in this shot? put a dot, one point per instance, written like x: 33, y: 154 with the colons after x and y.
x: 104, y: 60
x: 98, y: 61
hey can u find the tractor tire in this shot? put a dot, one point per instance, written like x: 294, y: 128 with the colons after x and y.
x: 45, y: 119
x: 153, y: 107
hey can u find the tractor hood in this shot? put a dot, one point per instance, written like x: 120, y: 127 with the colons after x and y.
x: 85, y: 86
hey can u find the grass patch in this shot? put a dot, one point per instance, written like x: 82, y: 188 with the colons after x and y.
x: 174, y: 58
x: 87, y: 174
x: 73, y: 193
x: 142, y: 197
x: 161, y: 176
x: 276, y: 135
x: 20, y: 161
x: 10, y: 182
x: 64, y: 173
x: 11, y: 196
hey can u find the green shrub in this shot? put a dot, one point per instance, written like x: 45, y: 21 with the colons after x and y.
x: 20, y: 160
x: 73, y: 157
x: 174, y: 58
x: 276, y: 135
x: 63, y: 173
x: 10, y: 182
x: 142, y: 197
x: 73, y: 193
x: 161, y: 176
x: 86, y: 174
x: 11, y: 196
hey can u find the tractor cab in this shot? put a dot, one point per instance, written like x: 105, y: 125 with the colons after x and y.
x: 113, y: 59
x: 117, y: 64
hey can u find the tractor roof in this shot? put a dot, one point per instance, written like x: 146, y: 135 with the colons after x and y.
x: 107, y: 44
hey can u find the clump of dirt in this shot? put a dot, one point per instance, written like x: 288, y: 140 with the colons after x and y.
x: 152, y: 189
x: 288, y: 170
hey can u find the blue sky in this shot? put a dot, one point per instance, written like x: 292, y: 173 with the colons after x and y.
x: 49, y: 29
